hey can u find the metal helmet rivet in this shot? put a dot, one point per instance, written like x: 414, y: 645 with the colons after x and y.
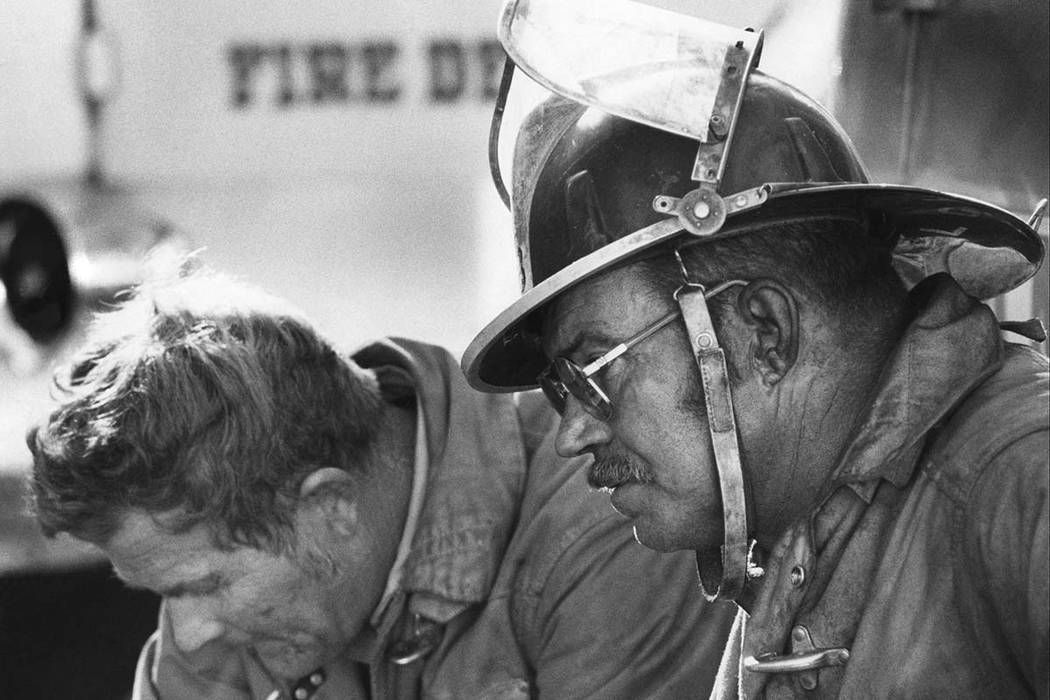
x: 719, y: 126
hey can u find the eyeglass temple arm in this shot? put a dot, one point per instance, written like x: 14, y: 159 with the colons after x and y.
x: 596, y: 366
x: 623, y: 347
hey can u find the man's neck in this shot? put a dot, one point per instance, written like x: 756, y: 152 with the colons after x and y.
x: 817, y: 416
x: 396, y: 447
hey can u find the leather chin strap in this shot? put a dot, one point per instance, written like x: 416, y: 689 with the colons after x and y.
x: 722, y: 573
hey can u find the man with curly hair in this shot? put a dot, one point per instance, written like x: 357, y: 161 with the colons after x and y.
x: 332, y: 526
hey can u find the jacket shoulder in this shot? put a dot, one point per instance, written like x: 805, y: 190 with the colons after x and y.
x: 587, y: 601
x: 560, y: 515
x: 995, y: 418
x: 558, y: 508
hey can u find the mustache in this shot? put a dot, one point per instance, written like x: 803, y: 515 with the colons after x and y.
x: 609, y: 471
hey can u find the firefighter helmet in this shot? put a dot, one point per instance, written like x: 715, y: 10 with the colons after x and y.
x: 591, y: 189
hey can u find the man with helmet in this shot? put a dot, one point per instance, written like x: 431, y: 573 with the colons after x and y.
x: 777, y: 364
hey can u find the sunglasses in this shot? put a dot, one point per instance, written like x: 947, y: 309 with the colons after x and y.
x: 563, y: 377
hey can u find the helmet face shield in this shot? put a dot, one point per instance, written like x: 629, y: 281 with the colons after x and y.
x: 605, y: 54
x: 677, y: 73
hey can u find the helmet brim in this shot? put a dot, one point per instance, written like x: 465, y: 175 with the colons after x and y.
x: 1004, y: 252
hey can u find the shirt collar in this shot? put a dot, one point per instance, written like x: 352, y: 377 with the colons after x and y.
x: 415, y: 507
x: 952, y: 345
x: 473, y: 483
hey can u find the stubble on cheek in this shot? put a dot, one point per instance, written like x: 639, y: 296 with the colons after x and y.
x: 290, y: 658
x: 611, y: 470
x: 693, y: 401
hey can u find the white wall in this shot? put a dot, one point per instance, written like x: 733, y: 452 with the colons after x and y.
x: 375, y: 216
x: 41, y: 127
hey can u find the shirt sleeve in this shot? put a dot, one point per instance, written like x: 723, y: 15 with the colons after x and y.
x: 1008, y: 542
x: 617, y: 620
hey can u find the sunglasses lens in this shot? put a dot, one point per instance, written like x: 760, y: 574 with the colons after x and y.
x: 583, y: 388
x: 553, y: 389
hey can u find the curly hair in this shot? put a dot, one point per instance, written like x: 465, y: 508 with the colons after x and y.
x: 207, y: 401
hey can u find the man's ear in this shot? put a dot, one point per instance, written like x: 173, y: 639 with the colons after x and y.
x: 326, y: 498
x: 770, y: 310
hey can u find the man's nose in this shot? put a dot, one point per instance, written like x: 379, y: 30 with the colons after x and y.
x: 193, y: 622
x: 579, y: 431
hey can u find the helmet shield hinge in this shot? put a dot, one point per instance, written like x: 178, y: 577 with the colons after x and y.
x: 702, y: 211
x: 712, y: 154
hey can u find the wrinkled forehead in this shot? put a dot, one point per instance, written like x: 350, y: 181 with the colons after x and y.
x: 143, y: 545
x: 605, y: 308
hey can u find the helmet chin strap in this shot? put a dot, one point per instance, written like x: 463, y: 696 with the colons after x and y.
x: 723, y: 572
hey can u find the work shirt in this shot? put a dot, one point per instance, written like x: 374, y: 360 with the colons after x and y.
x: 927, y: 556
x: 516, y: 581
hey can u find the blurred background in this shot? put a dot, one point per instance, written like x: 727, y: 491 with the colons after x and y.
x: 335, y: 153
